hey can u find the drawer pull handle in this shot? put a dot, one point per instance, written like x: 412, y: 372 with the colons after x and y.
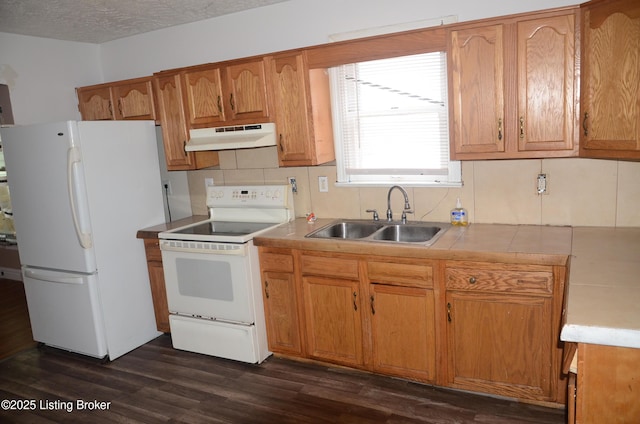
x: 373, y: 309
x: 449, y: 311
x: 355, y: 299
x: 266, y: 289
x: 472, y: 280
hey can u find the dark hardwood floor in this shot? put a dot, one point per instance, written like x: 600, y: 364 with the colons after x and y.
x: 15, y: 329
x: 157, y: 384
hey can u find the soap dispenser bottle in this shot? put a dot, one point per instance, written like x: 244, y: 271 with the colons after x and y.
x: 459, y: 214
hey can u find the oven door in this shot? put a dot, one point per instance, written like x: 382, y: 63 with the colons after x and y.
x: 209, y: 280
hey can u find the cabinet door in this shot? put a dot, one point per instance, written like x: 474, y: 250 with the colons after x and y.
x: 608, y: 385
x: 134, y: 100
x: 477, y: 83
x: 610, y: 105
x: 159, y: 296
x: 281, y: 313
x: 333, y: 319
x: 172, y: 120
x: 246, y: 92
x: 95, y: 104
x: 203, y: 91
x: 546, y: 84
x: 403, y: 331
x: 500, y: 344
x: 291, y: 105
x: 156, y: 281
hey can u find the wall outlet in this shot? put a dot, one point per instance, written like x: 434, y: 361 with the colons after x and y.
x: 208, y: 182
x: 323, y: 184
x: 294, y: 184
x: 542, y: 184
x: 166, y: 186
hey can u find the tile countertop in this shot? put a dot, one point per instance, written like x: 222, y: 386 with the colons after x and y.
x: 533, y: 244
x: 603, y: 305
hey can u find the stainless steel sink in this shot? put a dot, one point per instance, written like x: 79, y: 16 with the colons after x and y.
x: 425, y: 233
x: 346, y: 230
x: 407, y: 233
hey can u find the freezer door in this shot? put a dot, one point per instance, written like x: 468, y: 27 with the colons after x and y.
x: 48, y: 195
x: 64, y: 310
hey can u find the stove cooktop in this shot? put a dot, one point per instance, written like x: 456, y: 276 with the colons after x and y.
x: 218, y: 231
x: 214, y: 228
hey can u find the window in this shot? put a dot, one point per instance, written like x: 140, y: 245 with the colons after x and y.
x: 391, y: 122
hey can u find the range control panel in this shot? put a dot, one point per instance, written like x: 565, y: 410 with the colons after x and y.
x: 266, y: 196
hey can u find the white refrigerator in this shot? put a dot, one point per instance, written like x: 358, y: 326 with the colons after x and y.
x: 80, y: 191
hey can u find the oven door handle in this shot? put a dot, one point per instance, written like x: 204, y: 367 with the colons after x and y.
x: 205, y: 248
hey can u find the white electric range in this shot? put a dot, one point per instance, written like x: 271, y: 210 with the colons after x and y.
x: 212, y: 272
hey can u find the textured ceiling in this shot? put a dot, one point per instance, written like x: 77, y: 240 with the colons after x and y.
x: 99, y: 21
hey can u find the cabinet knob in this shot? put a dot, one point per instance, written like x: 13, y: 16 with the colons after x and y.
x: 472, y: 280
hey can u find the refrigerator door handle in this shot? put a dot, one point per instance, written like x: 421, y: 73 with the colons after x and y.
x: 43, y: 276
x: 73, y: 157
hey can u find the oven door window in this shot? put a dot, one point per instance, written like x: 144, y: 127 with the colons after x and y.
x: 192, y: 273
x: 209, y: 285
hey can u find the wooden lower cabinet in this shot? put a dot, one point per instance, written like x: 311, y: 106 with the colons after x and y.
x: 334, y: 323
x: 608, y: 385
x: 332, y: 300
x: 478, y: 326
x: 280, y: 298
x: 502, y: 329
x: 156, y: 280
x: 403, y: 331
x: 500, y: 344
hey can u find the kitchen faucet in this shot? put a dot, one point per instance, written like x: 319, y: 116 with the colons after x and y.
x: 407, y: 206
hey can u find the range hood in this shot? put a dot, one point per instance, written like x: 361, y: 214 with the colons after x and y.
x: 236, y: 137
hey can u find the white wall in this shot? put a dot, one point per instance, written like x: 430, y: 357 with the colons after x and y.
x: 283, y: 26
x: 42, y: 75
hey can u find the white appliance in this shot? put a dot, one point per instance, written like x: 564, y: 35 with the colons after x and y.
x: 80, y: 191
x: 234, y: 137
x: 212, y: 274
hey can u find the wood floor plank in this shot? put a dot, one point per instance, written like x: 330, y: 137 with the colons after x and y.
x: 158, y: 384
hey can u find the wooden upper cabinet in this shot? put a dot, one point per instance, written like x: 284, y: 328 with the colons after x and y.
x: 175, y: 132
x: 122, y: 100
x: 513, y: 88
x: 246, y: 92
x: 477, y: 90
x: 302, y: 109
x: 203, y: 89
x: 134, y: 99
x: 546, y: 69
x: 172, y: 120
x: 95, y: 103
x: 610, y: 95
x: 219, y: 94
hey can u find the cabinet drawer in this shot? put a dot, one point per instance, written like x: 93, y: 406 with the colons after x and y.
x: 152, y: 250
x: 500, y: 280
x: 276, y: 262
x: 329, y: 266
x: 405, y: 274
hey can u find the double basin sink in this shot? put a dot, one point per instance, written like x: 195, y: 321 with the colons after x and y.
x: 425, y: 233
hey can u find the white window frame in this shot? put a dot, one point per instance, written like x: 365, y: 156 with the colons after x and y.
x: 452, y: 178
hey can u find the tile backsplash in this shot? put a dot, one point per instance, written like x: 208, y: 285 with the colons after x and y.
x: 581, y: 192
